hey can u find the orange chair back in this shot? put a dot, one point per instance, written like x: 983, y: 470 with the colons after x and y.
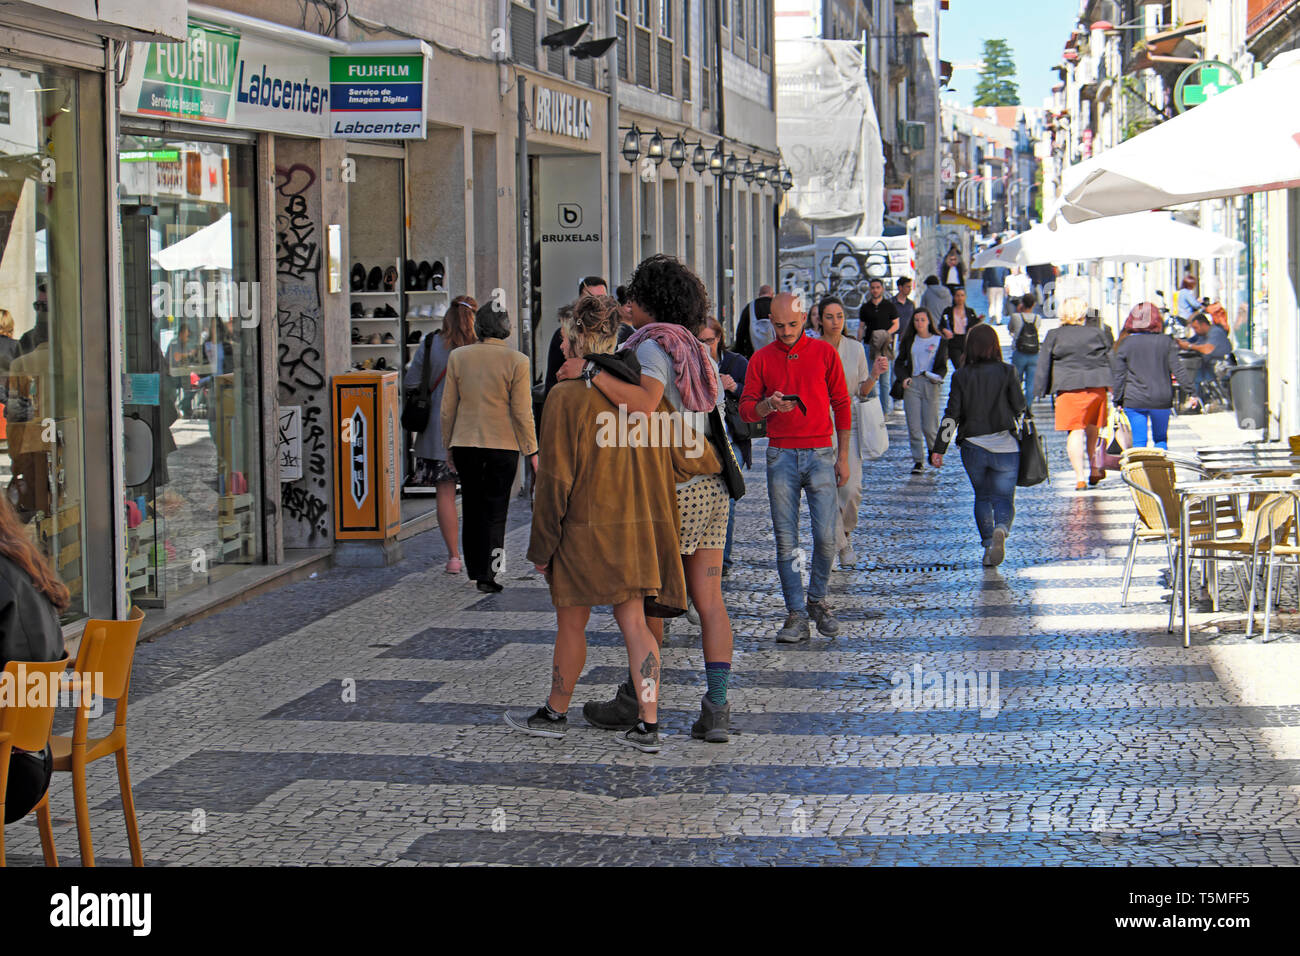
x: 108, y: 649
x: 28, y: 725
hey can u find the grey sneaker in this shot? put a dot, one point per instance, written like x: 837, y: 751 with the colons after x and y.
x: 847, y: 557
x: 795, y: 630
x: 645, y: 741
x: 713, y: 723
x: 997, y: 548
x: 538, y: 724
x: 692, y: 615
x: 820, y: 612
x: 621, y: 713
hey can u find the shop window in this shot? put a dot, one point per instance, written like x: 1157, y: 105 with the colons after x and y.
x: 191, y: 402
x: 42, y: 466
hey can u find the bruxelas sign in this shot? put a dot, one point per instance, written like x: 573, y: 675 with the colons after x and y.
x: 561, y: 113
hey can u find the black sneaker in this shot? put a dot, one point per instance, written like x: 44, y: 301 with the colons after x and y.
x: 646, y: 741
x: 713, y: 723
x: 918, y: 469
x: 621, y: 713
x: 538, y: 723
x: 820, y: 612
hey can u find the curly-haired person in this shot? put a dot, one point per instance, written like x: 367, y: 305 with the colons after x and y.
x: 668, y: 305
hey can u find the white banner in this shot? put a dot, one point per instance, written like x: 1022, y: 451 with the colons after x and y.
x: 568, y: 224
x: 828, y: 133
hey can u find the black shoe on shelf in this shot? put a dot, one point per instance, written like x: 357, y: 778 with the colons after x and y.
x: 373, y: 278
x: 358, y: 278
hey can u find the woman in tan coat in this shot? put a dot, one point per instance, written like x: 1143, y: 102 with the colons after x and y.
x: 487, y: 423
x: 604, y: 528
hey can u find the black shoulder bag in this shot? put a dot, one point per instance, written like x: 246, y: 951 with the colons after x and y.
x: 735, y: 481
x: 417, y: 404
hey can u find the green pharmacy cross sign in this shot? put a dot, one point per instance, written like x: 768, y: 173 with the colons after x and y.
x: 1202, y: 80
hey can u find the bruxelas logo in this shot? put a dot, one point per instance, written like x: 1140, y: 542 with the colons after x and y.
x: 657, y: 430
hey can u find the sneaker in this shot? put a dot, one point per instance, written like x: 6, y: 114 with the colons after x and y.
x: 538, y: 724
x: 621, y: 713
x: 713, y: 723
x: 646, y: 741
x: 996, y: 550
x: 820, y: 612
x: 795, y: 630
x: 918, y: 468
x: 847, y: 557
x: 692, y: 615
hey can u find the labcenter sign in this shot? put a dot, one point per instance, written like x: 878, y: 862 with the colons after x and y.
x: 224, y: 76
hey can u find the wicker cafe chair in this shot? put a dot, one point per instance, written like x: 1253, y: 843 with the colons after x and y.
x: 27, y: 727
x: 108, y: 649
x: 1276, y: 522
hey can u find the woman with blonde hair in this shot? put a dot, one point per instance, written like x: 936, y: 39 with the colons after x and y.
x: 1075, y: 363
x: 432, y: 460
x: 604, y: 530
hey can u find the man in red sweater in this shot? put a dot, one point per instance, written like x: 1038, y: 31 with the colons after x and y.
x: 800, y: 456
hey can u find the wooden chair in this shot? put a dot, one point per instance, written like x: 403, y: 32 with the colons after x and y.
x: 108, y: 651
x: 28, y: 728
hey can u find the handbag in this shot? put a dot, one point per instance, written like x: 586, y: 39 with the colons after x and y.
x: 418, y: 402
x: 873, y: 437
x: 1033, y: 454
x: 731, y: 475
x: 742, y: 430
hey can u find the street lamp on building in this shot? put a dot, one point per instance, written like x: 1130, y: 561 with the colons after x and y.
x: 729, y: 167
x: 699, y: 159
x: 716, y: 160
x: 747, y: 171
x: 677, y: 153
x: 655, y: 149
x: 632, y: 145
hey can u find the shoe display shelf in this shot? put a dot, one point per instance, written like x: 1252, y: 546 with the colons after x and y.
x: 425, y: 310
x: 365, y: 353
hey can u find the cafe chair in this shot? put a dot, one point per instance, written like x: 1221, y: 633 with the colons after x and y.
x: 1278, y: 522
x: 27, y: 727
x: 108, y: 649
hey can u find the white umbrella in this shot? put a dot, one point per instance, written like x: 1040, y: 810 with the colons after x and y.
x: 1246, y: 139
x: 1137, y: 237
x: 209, y: 248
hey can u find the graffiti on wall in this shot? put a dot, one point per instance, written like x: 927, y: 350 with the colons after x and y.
x: 304, y: 494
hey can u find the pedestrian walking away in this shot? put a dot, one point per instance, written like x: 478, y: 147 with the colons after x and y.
x: 993, y: 283
x: 731, y: 372
x: 1025, y: 330
x: 754, y: 328
x: 1146, y: 363
x: 954, y: 325
x: 879, y: 314
x: 860, y: 378
x: 668, y: 305
x: 604, y: 532
x: 487, y: 422
x: 936, y: 299
x: 919, y: 372
x: 433, y: 464
x: 1075, y: 364
x: 984, y: 403
x: 797, y: 385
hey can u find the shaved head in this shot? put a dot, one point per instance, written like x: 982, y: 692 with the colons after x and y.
x: 787, y: 317
x: 764, y: 290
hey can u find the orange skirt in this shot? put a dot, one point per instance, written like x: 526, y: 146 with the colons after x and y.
x: 1081, y: 408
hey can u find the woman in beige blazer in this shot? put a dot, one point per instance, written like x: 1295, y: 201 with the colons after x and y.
x: 487, y: 421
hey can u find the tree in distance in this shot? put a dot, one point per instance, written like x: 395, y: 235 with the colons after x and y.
x: 997, y: 83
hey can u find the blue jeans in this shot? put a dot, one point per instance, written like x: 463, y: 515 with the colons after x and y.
x: 1159, y: 418
x: 1026, y: 366
x: 993, y: 476
x: 883, y: 384
x: 789, y: 471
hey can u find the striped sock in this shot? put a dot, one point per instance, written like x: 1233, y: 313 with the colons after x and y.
x: 717, y: 673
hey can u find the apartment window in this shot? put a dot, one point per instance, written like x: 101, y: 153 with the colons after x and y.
x: 582, y: 10
x: 643, y: 14
x: 555, y: 8
x: 666, y: 18
x: 643, y: 52
x: 523, y: 33
x: 555, y: 22
x: 686, y: 50
x: 665, y: 50
x: 740, y: 19
x: 623, y: 38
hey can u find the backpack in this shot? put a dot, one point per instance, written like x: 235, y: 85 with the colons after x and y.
x: 1027, y: 338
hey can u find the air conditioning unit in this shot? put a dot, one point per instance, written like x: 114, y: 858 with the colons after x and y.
x: 911, y: 135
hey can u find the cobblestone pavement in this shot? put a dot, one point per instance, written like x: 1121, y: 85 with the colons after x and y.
x: 1107, y: 742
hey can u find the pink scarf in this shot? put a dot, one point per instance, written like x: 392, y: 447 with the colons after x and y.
x: 692, y: 369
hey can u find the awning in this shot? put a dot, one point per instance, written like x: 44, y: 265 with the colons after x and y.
x: 1138, y: 237
x: 209, y: 248
x: 1244, y: 140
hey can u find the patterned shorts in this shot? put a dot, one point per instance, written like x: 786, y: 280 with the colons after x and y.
x: 431, y: 471
x: 704, y: 506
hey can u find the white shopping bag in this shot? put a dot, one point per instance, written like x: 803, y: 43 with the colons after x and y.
x: 873, y: 438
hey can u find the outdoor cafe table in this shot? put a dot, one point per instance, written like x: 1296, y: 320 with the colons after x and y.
x: 1190, y: 492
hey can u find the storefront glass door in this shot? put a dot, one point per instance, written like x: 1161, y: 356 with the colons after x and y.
x: 191, y: 391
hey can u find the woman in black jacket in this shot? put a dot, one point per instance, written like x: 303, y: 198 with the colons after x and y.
x: 1146, y: 362
x: 983, y: 404
x: 1074, y: 364
x: 31, y: 597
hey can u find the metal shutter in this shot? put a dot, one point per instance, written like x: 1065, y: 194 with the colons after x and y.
x: 523, y: 35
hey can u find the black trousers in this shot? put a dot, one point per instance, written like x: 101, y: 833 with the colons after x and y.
x: 29, y: 778
x: 486, y: 475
